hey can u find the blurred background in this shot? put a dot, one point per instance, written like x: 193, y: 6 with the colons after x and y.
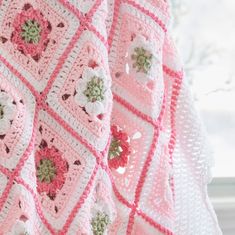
x: 204, y: 31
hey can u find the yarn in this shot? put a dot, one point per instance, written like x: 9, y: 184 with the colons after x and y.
x: 98, y: 131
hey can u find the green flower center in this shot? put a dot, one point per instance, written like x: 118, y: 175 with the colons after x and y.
x: 114, y: 149
x: 31, y: 31
x: 1, y: 111
x: 46, y: 171
x: 95, y: 89
x: 99, y: 223
x: 142, y: 59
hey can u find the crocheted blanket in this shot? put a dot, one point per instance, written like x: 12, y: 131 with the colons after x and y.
x: 98, y: 132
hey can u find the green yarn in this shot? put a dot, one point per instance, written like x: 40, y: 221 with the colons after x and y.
x: 95, y: 89
x: 142, y: 60
x: 46, y: 171
x: 31, y: 32
x: 114, y: 149
x: 99, y: 223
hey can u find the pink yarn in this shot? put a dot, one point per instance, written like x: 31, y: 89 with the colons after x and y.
x: 32, y: 49
x: 66, y: 170
x: 53, y: 155
x: 121, y: 159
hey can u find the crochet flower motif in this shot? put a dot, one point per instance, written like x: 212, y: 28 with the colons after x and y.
x: 92, y: 91
x: 50, y: 170
x: 141, y: 59
x: 21, y: 228
x: 7, y: 110
x: 99, y: 223
x: 119, y: 149
x: 31, y: 31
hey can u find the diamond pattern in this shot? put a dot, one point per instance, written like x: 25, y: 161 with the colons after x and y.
x: 156, y: 200
x: 128, y: 26
x: 77, y: 157
x: 61, y: 96
x: 48, y: 227
x: 11, y: 145
x: 61, y: 26
x: 47, y: 129
x: 139, y: 99
x: 141, y: 137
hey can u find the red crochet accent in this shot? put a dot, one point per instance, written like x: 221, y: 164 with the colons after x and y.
x: 60, y: 165
x: 30, y: 14
x: 60, y: 170
x: 123, y: 142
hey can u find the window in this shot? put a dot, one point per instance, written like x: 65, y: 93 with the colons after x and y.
x: 205, y: 34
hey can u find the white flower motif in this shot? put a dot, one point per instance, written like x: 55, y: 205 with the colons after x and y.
x: 93, y: 91
x: 21, y: 228
x: 142, y: 59
x: 100, y: 219
x: 7, y: 110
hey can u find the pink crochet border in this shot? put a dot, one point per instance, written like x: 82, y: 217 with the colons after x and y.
x: 117, y: 5
x: 21, y: 162
x: 142, y: 178
x: 147, y: 12
x: 85, y: 22
x: 41, y: 104
x: 98, y: 157
x: 178, y: 77
x: 138, y: 113
x: 155, y: 123
x: 136, y: 210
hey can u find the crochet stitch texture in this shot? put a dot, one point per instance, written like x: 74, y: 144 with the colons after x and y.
x: 98, y: 133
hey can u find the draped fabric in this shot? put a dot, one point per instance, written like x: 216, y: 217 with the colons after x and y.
x: 98, y: 130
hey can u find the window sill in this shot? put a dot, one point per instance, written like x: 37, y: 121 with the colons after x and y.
x: 222, y: 194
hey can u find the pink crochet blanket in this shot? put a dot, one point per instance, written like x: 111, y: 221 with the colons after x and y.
x: 98, y: 133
